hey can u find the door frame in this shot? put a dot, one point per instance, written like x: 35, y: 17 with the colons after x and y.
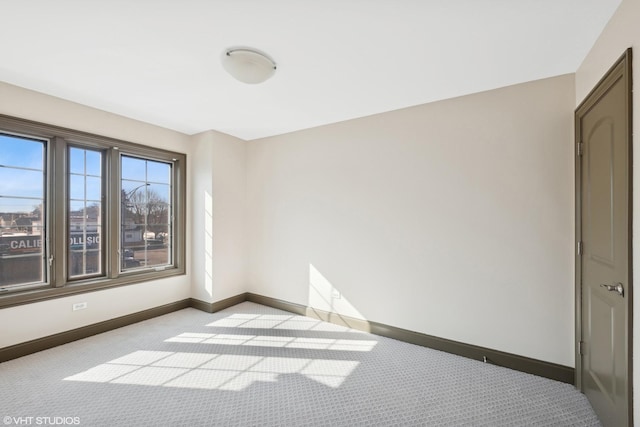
x: 621, y: 69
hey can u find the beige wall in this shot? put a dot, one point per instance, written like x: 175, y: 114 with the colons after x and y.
x: 46, y: 318
x: 30, y: 105
x: 622, y: 32
x: 453, y: 219
x: 218, y: 174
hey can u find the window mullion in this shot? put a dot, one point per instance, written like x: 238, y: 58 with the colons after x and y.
x: 112, y: 207
x: 57, y: 221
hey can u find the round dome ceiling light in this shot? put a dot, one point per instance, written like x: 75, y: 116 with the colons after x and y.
x: 248, y: 65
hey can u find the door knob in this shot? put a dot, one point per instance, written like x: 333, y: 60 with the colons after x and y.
x: 615, y: 288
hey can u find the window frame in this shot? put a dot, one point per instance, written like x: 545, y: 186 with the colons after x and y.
x: 44, y: 233
x: 58, y: 283
x: 67, y: 201
x: 120, y: 210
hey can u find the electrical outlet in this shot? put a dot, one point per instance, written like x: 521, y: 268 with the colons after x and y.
x: 79, y: 306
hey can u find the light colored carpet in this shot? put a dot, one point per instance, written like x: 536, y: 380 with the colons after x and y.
x: 251, y: 365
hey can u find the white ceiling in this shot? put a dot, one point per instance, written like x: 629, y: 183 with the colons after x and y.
x: 158, y: 60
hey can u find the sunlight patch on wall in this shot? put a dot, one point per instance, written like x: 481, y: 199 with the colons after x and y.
x: 212, y: 371
x: 208, y: 243
x: 324, y: 296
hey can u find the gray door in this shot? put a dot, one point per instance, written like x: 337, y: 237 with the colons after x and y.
x: 604, y: 255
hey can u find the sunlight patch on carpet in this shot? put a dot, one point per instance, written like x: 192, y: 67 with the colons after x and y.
x: 212, y: 371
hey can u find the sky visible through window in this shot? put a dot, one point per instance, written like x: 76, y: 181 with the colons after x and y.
x: 21, y: 174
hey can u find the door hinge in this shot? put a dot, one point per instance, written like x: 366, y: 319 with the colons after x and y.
x: 580, y: 247
x: 581, y: 348
x: 580, y: 148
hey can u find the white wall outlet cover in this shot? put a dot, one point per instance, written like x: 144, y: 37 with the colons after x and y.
x: 79, y: 306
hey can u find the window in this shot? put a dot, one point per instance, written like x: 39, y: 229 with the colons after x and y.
x: 84, y: 212
x: 80, y: 212
x: 22, y: 220
x: 146, y: 213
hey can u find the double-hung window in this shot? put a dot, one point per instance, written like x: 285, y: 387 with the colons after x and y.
x: 84, y: 212
x: 146, y: 213
x: 23, y: 226
x: 80, y: 212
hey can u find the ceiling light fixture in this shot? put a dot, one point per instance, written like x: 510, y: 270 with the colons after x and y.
x: 248, y: 65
